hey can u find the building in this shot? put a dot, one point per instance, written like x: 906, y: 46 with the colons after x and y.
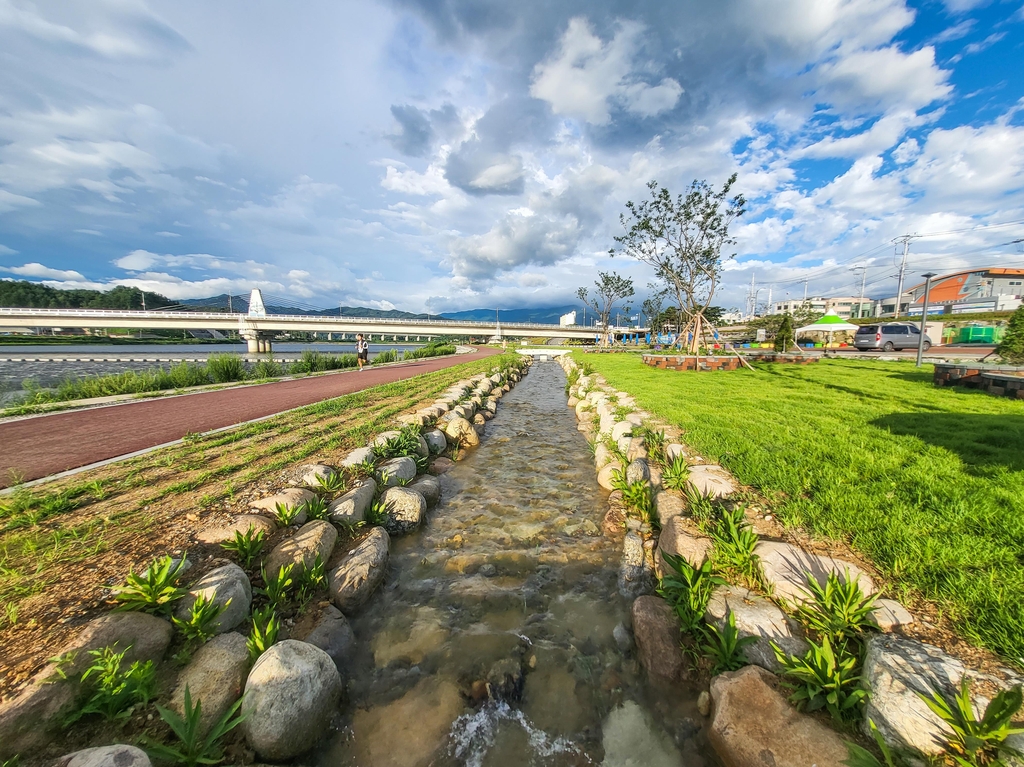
x: 567, y: 319
x: 844, y: 306
x: 969, y: 291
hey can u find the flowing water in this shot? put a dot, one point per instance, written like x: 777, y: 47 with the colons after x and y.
x: 511, y: 572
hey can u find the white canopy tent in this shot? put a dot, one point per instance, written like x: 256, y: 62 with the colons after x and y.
x: 830, y: 324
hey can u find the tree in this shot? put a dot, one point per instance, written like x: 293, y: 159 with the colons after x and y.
x: 1011, y: 348
x: 651, y: 308
x: 682, y: 239
x: 610, y: 287
x: 784, y: 337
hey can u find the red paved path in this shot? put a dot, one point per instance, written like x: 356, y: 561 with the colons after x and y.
x: 45, y: 445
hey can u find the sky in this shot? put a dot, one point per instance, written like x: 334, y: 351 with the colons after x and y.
x: 456, y: 154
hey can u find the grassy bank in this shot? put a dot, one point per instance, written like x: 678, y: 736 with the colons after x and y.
x: 63, y: 543
x: 928, y: 483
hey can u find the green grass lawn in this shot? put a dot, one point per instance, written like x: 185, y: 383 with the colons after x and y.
x: 928, y: 483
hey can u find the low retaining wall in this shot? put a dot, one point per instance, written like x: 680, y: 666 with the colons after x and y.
x: 680, y: 362
x: 998, y: 381
x: 792, y: 359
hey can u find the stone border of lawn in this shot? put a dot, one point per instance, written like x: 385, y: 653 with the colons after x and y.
x: 751, y: 720
x: 290, y: 694
x: 1001, y: 381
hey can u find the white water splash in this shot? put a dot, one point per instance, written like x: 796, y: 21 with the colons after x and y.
x: 472, y: 735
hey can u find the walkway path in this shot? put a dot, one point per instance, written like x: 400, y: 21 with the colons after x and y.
x: 43, y: 445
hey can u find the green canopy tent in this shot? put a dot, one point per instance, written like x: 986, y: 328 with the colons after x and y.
x: 830, y: 323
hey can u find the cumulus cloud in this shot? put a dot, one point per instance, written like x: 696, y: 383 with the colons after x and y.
x: 478, y: 171
x: 38, y: 270
x: 137, y: 261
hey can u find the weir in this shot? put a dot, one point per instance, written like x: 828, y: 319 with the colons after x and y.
x: 499, y: 637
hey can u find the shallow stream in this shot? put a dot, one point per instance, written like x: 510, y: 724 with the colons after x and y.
x: 511, y: 572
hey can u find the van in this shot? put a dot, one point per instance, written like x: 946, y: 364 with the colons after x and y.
x: 889, y: 336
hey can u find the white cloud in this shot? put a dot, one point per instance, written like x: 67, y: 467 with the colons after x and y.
x: 38, y: 270
x: 5, y: 251
x: 10, y: 201
x: 137, y: 260
x: 408, y: 181
x: 167, y: 234
x: 587, y: 75
x: 884, y: 78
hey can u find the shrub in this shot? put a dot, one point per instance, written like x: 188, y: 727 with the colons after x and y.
x: 224, y: 368
x: 1011, y: 348
x: 977, y: 742
x: 111, y: 692
x: 381, y: 358
x: 267, y: 367
x: 688, y: 589
x: 155, y: 590
x: 195, y: 749
x: 185, y: 374
x: 247, y: 546
x: 675, y: 474
x: 265, y: 627
x: 433, y: 349
x: 839, y: 610
x: 823, y: 679
x: 784, y: 336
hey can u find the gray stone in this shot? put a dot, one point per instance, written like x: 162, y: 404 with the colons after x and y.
x: 674, y: 450
x: 656, y: 630
x: 412, y: 419
x: 106, y: 756
x: 441, y: 465
x: 289, y: 498
x: 333, y: 635
x: 390, y: 472
x: 621, y: 429
x: 895, y: 671
x: 479, y: 420
x: 623, y: 639
x: 350, y: 509
x: 636, y: 570
x: 383, y: 438
x: 505, y: 680
x: 358, y: 456
x: 144, y: 636
x: 787, y: 567
x: 227, y: 587
x: 361, y: 571
x: 429, y: 487
x: 678, y: 540
x: 603, y: 455
x: 461, y: 431
x: 704, y: 703
x: 637, y: 471
x: 437, y: 443
x: 637, y: 448
x: 712, y: 480
x: 241, y: 524
x: 606, y: 476
x: 316, y: 538
x: 888, y: 614
x: 314, y: 473
x: 215, y: 676
x: 669, y: 503
x: 756, y: 617
x: 404, y: 510
x: 290, y: 698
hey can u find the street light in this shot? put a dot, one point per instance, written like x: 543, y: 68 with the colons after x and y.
x: 924, y: 315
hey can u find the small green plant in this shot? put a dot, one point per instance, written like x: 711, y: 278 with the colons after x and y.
x: 265, y: 627
x: 377, y: 514
x: 861, y: 757
x: 839, y: 610
x: 10, y: 613
x: 587, y: 369
x: 676, y: 474
x: 654, y: 441
x: 365, y: 468
x: 316, y: 508
x: 312, y: 579
x: 111, y: 692
x: 246, y: 546
x: 638, y: 497
x: 688, y: 589
x: 286, y: 514
x: 193, y: 748
x: 977, y: 742
x: 735, y: 541
x: 700, y: 506
x: 276, y: 587
x: 155, y: 590
x: 725, y: 647
x: 332, y: 483
x: 199, y: 624
x: 403, y: 444
x: 823, y: 679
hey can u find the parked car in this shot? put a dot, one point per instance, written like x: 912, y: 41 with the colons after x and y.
x: 889, y: 336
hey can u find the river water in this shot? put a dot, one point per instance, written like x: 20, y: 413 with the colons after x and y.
x: 510, y: 569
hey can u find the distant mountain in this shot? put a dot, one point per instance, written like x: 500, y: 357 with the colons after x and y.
x: 547, y: 315
x: 241, y: 304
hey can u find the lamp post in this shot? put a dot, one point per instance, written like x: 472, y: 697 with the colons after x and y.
x: 924, y: 315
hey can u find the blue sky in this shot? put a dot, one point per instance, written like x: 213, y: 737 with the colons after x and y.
x: 458, y: 154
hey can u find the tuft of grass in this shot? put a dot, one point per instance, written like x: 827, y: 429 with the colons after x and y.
x: 198, y: 626
x: 155, y: 590
x: 333, y: 483
x: 265, y: 628
x: 316, y: 508
x: 688, y: 589
x: 676, y: 474
x: 838, y: 610
x: 725, y: 647
x: 286, y: 514
x: 735, y: 541
x: 977, y: 742
x: 824, y: 678
x: 193, y: 748
x: 247, y: 546
x: 311, y: 580
x: 900, y: 454
x: 110, y: 691
x: 277, y: 585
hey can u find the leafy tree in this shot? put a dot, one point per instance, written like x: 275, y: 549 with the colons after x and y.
x: 33, y: 295
x: 652, y: 310
x: 682, y: 239
x: 610, y: 287
x: 784, y: 337
x: 1011, y: 348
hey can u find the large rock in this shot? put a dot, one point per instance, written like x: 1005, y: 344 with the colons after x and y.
x: 436, y: 441
x: 677, y: 539
x: 461, y: 431
x: 606, y: 476
x: 755, y: 617
x: 361, y: 571
x: 712, y: 480
x: 290, y: 698
x: 621, y: 429
x: 404, y: 509
x: 656, y: 630
x: 429, y: 487
x: 333, y: 635
x: 358, y: 456
x: 637, y: 471
x: 603, y: 455
x: 390, y: 472
x: 215, y: 676
x: 241, y: 524
x: 895, y: 671
x: 787, y: 567
x: 290, y: 498
x: 315, y: 473
x: 106, y: 756
x: 636, y: 569
x: 669, y: 503
x: 316, y: 538
x: 350, y: 509
x: 753, y: 725
x: 441, y: 465
x: 888, y: 614
x: 27, y: 719
x: 227, y: 587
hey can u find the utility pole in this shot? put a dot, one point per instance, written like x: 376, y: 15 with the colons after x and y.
x: 863, y: 280
x: 751, y: 298
x: 770, y: 310
x: 805, y: 291
x: 230, y: 310
x: 905, y: 239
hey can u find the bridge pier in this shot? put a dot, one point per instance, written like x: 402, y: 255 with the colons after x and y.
x: 258, y: 342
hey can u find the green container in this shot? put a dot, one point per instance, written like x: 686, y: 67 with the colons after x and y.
x: 978, y: 334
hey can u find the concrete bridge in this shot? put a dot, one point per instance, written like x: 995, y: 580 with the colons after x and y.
x: 260, y: 328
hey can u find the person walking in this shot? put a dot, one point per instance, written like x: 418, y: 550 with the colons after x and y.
x: 362, y: 351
